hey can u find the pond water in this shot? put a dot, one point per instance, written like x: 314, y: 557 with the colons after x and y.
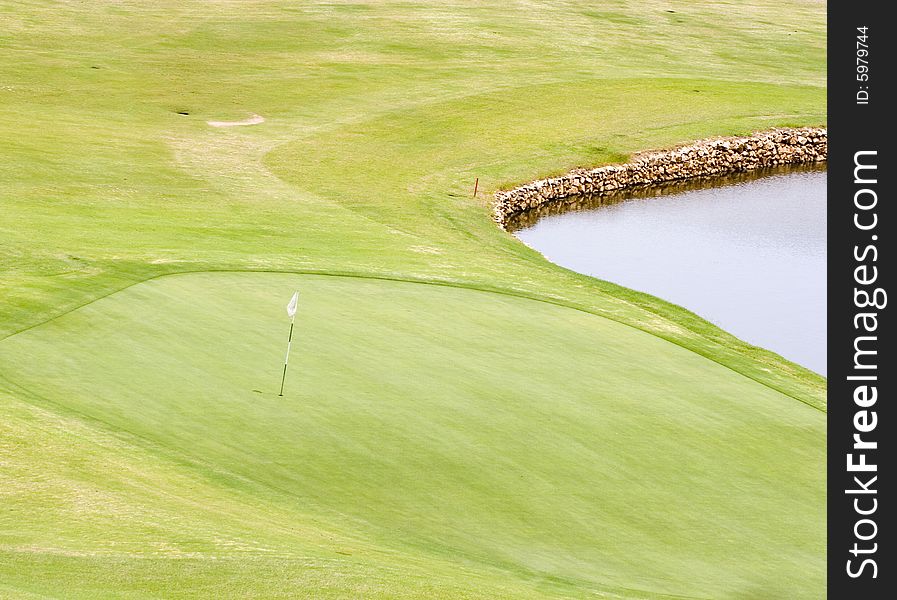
x: 749, y: 256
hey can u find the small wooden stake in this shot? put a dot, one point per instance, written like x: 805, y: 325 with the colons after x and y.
x: 476, y: 184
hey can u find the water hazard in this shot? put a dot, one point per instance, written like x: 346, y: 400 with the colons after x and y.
x: 748, y: 255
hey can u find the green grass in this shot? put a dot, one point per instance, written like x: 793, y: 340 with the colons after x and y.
x: 432, y: 422
x: 516, y: 431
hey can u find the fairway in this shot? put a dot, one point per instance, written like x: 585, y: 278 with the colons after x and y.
x: 462, y: 418
x: 516, y: 434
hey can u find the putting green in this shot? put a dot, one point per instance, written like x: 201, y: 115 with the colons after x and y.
x: 432, y: 441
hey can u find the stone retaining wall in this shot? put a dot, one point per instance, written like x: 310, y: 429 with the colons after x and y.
x: 706, y: 158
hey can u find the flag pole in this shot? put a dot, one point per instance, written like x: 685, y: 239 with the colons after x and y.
x: 286, y: 359
x: 291, y: 310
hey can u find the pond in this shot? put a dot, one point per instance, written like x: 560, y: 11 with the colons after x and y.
x: 748, y: 254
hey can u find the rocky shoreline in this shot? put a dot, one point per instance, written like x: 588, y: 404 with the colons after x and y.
x: 705, y: 158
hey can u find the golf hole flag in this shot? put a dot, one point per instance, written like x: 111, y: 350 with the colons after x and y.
x: 293, y: 305
x: 291, y: 312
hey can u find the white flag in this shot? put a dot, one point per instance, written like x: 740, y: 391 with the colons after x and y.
x: 294, y: 303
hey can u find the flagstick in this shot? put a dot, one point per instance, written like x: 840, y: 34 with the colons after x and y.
x: 291, y: 312
x: 286, y: 359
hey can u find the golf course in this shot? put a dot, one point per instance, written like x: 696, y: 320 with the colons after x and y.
x: 461, y: 417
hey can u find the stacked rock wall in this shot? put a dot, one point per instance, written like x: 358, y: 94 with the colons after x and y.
x: 705, y: 158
